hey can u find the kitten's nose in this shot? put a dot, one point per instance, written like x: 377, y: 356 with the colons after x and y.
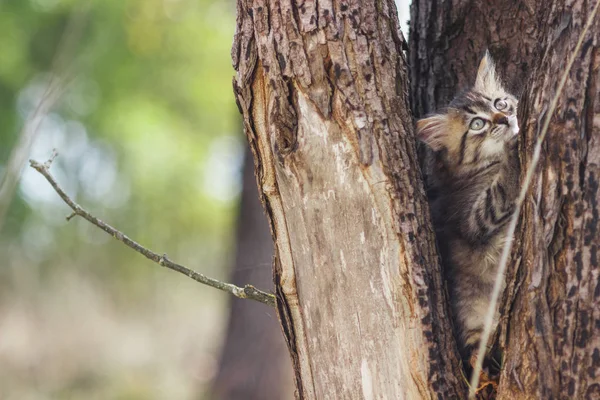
x: 500, y: 119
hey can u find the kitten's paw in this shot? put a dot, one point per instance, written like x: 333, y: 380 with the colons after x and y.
x: 485, y: 379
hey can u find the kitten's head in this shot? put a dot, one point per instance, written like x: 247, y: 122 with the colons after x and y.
x: 477, y: 124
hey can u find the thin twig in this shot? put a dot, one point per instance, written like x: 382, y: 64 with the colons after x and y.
x: 489, y: 318
x: 247, y: 292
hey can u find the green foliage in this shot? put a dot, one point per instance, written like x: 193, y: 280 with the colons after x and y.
x: 150, y: 94
x: 148, y: 140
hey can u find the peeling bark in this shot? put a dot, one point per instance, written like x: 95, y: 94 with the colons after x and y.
x: 322, y: 87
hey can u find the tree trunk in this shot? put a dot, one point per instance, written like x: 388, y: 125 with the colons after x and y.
x: 553, y: 348
x: 552, y: 308
x: 322, y: 87
x: 254, y: 362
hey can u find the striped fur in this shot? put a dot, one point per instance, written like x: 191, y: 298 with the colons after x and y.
x: 476, y: 174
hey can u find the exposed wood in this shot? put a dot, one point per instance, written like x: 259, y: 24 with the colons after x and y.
x: 323, y: 90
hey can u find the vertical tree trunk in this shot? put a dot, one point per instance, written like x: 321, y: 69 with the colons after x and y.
x: 553, y: 348
x: 254, y: 364
x: 552, y: 310
x: 323, y: 90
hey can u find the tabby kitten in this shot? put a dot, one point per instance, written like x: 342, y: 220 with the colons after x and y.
x: 476, y: 170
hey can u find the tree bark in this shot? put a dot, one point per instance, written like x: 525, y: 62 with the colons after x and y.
x: 551, y: 315
x: 322, y: 87
x: 448, y: 39
x: 553, y: 348
x: 254, y: 364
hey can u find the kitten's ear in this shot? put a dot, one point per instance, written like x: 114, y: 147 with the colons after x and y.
x: 432, y: 131
x: 487, y: 81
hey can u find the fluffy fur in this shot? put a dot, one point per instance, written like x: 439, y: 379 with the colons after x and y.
x: 476, y: 171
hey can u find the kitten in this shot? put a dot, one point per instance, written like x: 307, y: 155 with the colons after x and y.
x: 476, y: 171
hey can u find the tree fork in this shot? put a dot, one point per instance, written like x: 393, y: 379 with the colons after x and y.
x: 323, y: 92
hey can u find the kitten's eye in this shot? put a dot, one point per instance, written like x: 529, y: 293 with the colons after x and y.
x: 500, y: 105
x: 477, y: 124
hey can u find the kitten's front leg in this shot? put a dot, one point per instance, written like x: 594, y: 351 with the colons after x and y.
x: 470, y: 305
x: 489, y: 212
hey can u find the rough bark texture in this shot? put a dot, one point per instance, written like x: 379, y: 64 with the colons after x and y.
x: 553, y: 348
x: 323, y: 88
x: 254, y: 364
x: 552, y: 308
x: 448, y: 39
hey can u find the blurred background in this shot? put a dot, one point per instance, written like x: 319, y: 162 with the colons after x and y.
x: 135, y: 95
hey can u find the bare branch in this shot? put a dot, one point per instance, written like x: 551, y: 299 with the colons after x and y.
x: 247, y: 292
x: 487, y: 329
